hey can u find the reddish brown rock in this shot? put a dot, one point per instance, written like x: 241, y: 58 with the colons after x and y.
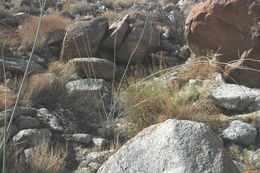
x: 247, y: 70
x: 225, y: 27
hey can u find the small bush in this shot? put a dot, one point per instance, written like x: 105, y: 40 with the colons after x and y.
x: 44, y: 90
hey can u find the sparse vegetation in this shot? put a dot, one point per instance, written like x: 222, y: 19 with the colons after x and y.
x: 250, y: 163
x: 49, y: 25
x: 43, y: 159
x: 151, y: 103
x: 48, y: 159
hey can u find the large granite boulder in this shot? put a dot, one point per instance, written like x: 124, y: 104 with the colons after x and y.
x: 173, y: 146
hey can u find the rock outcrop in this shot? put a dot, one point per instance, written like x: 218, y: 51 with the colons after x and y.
x: 234, y: 24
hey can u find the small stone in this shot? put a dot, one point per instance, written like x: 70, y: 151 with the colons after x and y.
x: 28, y: 153
x: 94, y: 166
x: 82, y: 138
x: 32, y: 137
x: 100, y: 142
x: 240, y: 132
x: 105, y: 132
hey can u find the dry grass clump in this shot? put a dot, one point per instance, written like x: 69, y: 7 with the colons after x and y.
x: 149, y: 104
x: 44, y: 159
x: 62, y: 68
x: 50, y: 23
x: 44, y: 90
x: 16, y: 161
x: 9, y: 101
x: 111, y: 16
x: 10, y: 36
x: 48, y: 159
x: 202, y: 70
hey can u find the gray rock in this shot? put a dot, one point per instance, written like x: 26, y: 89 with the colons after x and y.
x: 234, y: 97
x: 187, y: 5
x: 94, y: 166
x: 91, y: 97
x: 32, y: 137
x: 83, y: 170
x: 96, y: 68
x: 82, y: 39
x: 26, y: 122
x: 168, y: 46
x: 19, y: 65
x: 173, y: 146
x: 12, y: 131
x: 82, y: 138
x: 116, y: 34
x: 143, y: 39
x: 105, y: 132
x: 98, y: 157
x: 20, y: 111
x: 51, y: 120
x: 240, y: 132
x: 184, y: 53
x: 28, y: 153
x: 100, y: 142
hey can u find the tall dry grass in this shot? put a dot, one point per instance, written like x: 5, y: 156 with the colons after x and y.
x: 48, y: 159
x: 50, y: 23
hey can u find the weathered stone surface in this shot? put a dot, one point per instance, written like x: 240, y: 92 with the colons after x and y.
x: 19, y: 65
x: 18, y: 112
x: 234, y: 97
x: 82, y: 138
x: 236, y: 27
x: 240, y: 132
x: 32, y: 137
x: 100, y: 142
x: 12, y: 131
x: 142, y: 40
x: 187, y: 5
x: 105, y: 132
x: 82, y: 39
x: 91, y: 97
x: 98, y: 157
x: 97, y: 68
x: 173, y: 146
x: 116, y: 34
x: 230, y: 21
x: 51, y: 120
x: 26, y: 122
x: 247, y: 70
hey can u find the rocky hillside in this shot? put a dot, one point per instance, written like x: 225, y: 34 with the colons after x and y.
x: 123, y: 86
